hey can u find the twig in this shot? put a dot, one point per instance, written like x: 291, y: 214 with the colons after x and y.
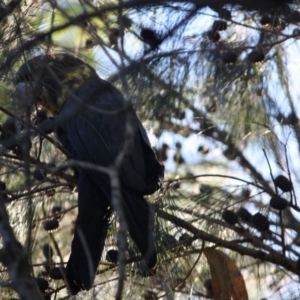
x: 271, y: 174
x: 280, y: 212
x: 274, y: 257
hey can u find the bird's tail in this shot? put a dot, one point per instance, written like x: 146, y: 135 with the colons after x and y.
x: 89, y: 236
x: 140, y: 221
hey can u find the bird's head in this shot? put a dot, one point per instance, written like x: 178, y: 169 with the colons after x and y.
x: 47, y: 79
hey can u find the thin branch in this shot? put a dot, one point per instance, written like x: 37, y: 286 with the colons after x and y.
x: 274, y: 258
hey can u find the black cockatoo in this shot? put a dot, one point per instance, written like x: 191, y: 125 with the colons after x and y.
x: 90, y: 131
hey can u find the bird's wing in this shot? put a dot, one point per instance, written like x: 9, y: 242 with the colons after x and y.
x: 93, y: 136
x: 98, y: 137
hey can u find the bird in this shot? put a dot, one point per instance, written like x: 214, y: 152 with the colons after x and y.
x: 91, y: 116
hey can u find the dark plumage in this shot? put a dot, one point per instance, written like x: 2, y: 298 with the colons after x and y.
x: 68, y: 87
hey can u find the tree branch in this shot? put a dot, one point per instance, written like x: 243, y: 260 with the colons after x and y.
x: 16, y: 261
